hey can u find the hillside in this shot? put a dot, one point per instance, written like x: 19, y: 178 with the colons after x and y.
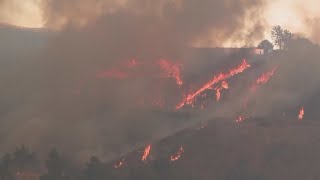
x: 224, y: 150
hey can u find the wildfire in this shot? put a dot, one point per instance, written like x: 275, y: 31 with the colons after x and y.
x: 224, y: 85
x: 146, y: 153
x: 240, y: 119
x: 172, y: 70
x: 132, y: 63
x: 301, y: 113
x: 266, y: 76
x: 177, y: 155
x: 190, y: 97
x: 119, y: 164
x: 203, y: 125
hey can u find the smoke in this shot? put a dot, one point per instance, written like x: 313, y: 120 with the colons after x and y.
x: 297, y: 79
x: 53, y: 98
x: 103, y: 118
x: 313, y: 26
x: 295, y: 82
x: 26, y: 13
x: 308, y: 18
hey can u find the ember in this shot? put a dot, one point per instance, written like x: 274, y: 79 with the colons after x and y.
x: 119, y: 164
x: 240, y: 119
x: 224, y: 85
x: 301, y: 113
x: 266, y: 76
x: 177, y: 155
x: 146, y: 153
x: 172, y: 70
x: 190, y: 97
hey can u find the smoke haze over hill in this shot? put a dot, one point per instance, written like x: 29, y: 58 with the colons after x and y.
x: 53, y: 97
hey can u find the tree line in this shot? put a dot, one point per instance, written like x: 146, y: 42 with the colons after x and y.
x: 24, y: 164
x: 280, y: 37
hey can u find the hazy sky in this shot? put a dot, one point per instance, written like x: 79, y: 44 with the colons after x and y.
x: 21, y: 12
x: 286, y: 13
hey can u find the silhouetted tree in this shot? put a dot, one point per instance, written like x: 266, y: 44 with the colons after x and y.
x: 281, y: 37
x: 266, y: 45
x: 24, y: 160
x: 287, y: 37
x: 5, y: 173
x: 95, y: 170
x: 56, y: 167
x: 277, y: 36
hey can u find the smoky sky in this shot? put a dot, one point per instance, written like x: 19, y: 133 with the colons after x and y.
x: 42, y: 109
x: 313, y: 24
x: 51, y: 97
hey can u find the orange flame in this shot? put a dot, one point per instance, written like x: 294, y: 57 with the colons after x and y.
x: 119, y: 164
x: 190, y: 97
x: 301, y: 113
x: 177, y: 155
x: 172, y: 70
x: 224, y: 85
x: 240, y: 119
x: 266, y: 76
x: 146, y: 153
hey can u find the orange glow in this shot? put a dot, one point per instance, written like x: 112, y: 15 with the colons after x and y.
x: 266, y: 76
x: 240, y: 119
x: 301, y: 113
x: 177, y: 155
x: 119, y: 164
x: 172, y: 70
x: 146, y: 153
x: 132, y: 63
x: 191, y: 97
x: 224, y: 85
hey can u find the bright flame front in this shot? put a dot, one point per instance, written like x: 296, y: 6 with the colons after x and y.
x: 221, y: 77
x: 301, y: 113
x: 146, y: 153
x: 177, y: 155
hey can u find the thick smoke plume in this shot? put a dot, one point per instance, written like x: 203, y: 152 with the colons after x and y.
x: 55, y: 99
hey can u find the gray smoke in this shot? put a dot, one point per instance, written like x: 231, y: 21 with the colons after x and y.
x: 42, y: 109
x: 313, y: 26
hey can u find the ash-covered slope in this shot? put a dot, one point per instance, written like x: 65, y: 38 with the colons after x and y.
x: 223, y: 149
x: 275, y: 136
